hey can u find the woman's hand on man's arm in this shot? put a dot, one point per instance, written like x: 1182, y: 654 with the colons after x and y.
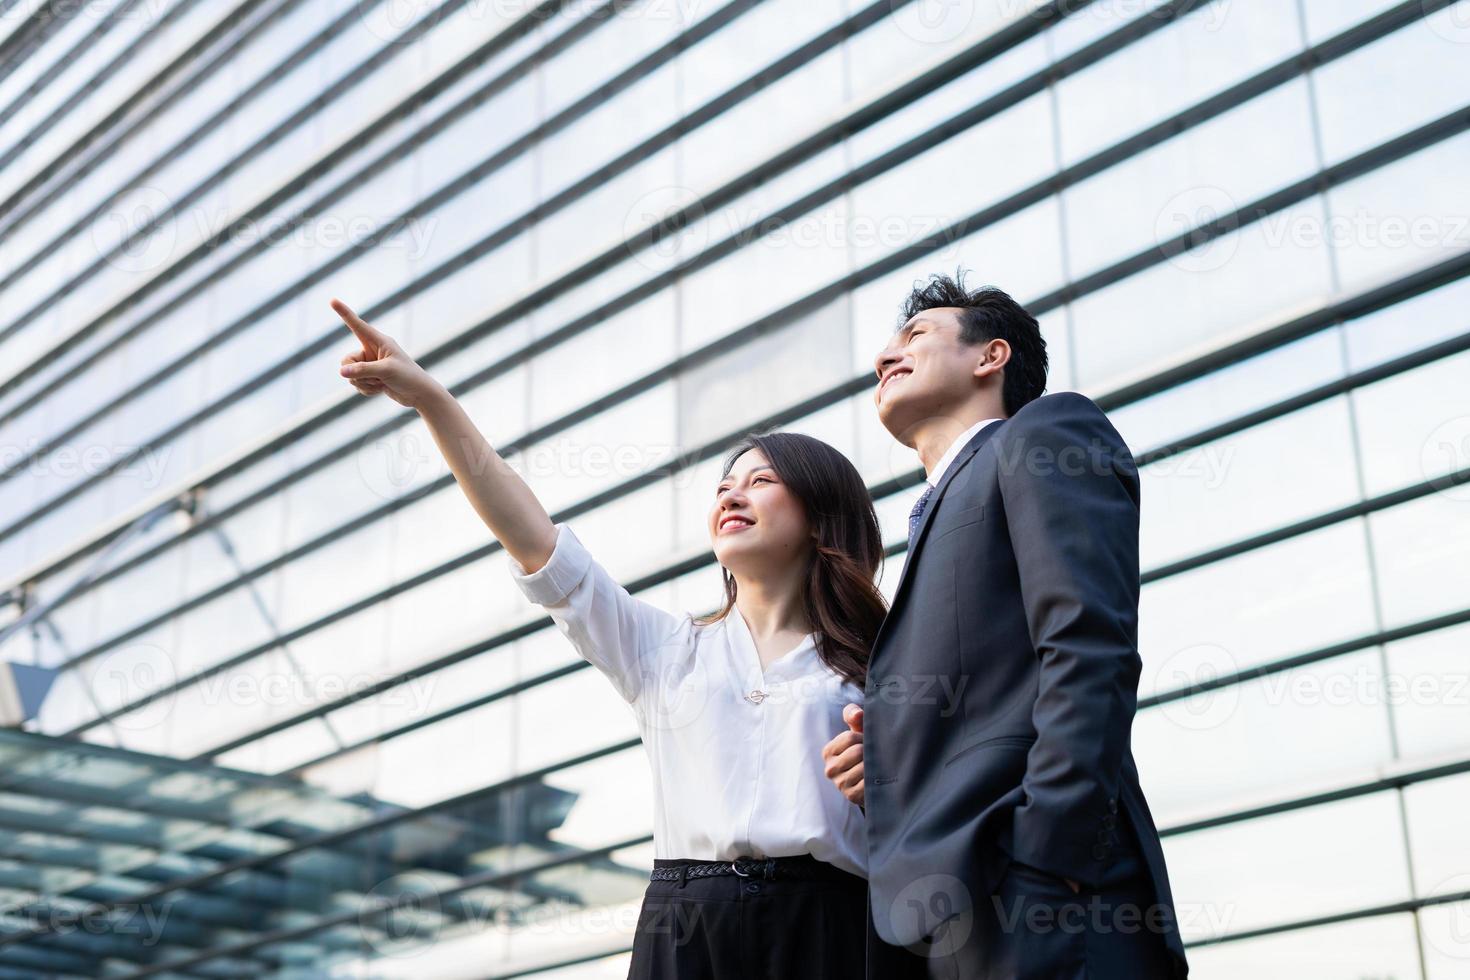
x: 844, y: 757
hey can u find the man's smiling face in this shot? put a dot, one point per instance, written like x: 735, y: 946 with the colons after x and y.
x: 925, y: 371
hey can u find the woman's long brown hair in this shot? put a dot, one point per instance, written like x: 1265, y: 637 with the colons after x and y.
x: 840, y: 595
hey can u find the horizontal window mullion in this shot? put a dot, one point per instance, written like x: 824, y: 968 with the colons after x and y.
x: 1271, y: 338
x: 1426, y: 135
x: 29, y: 36
x: 260, y: 213
x: 503, y: 876
x: 495, y: 878
x: 129, y: 119
x: 435, y: 200
x: 1359, y: 36
x: 662, y: 576
x: 90, y: 86
x: 278, y: 131
x: 379, y: 822
x: 1350, y: 790
x: 708, y: 451
x: 832, y: 132
x: 1394, y: 634
x: 1357, y: 915
x: 951, y: 69
x: 63, y: 62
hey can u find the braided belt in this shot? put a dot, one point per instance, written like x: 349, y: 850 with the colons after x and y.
x: 803, y: 868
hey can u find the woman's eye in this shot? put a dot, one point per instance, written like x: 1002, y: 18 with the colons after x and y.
x: 762, y: 479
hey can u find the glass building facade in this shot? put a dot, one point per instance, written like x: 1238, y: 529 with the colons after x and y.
x: 314, y: 728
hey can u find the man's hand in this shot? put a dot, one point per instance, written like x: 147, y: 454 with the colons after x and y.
x: 382, y: 366
x: 844, y: 756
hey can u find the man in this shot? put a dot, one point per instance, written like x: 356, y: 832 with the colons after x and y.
x: 1007, y: 834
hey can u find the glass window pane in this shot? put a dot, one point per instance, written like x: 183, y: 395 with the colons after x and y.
x: 1220, y: 750
x: 1207, y: 50
x: 1207, y: 172
x: 1422, y: 553
x: 1300, y: 595
x: 1393, y: 85
x: 1203, y: 299
x: 1290, y: 867
x: 1268, y: 476
x: 1407, y: 214
x: 1383, y: 946
x: 1431, y: 709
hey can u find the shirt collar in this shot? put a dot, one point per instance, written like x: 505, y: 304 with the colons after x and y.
x: 954, y: 450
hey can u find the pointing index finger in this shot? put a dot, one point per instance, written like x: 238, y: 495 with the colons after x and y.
x: 364, y: 331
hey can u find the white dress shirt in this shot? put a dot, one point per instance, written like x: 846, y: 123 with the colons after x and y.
x: 959, y: 443
x: 736, y: 750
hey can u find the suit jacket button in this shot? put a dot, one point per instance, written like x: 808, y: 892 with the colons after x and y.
x: 1110, y: 821
x: 1099, y: 851
x: 1112, y: 806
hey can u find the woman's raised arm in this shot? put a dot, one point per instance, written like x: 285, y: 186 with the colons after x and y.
x: 507, y: 506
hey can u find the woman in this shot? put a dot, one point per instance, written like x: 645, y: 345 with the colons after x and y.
x: 760, y: 861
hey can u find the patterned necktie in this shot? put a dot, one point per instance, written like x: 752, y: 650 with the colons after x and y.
x: 917, y: 514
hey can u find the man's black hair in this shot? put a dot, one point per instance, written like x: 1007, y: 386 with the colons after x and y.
x: 988, y: 314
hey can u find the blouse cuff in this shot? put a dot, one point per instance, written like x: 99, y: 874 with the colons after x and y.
x: 554, y: 581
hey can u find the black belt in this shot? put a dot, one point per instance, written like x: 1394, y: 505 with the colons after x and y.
x: 802, y: 867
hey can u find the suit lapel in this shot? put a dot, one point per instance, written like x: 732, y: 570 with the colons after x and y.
x: 911, y: 559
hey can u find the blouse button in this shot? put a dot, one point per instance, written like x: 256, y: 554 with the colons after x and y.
x: 756, y: 697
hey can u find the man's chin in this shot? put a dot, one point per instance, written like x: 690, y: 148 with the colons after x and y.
x: 895, y: 418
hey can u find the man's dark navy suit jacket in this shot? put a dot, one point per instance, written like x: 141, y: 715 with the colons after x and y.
x: 1002, y: 688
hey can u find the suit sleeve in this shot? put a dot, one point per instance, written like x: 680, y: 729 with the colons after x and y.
x: 1070, y: 491
x: 613, y: 631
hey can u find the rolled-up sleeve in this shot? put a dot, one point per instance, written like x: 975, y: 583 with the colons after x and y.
x: 618, y: 634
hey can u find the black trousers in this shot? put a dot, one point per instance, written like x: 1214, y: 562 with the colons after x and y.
x: 734, y: 928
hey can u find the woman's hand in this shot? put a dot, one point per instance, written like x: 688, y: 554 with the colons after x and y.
x: 507, y: 506
x: 382, y: 366
x: 844, y: 757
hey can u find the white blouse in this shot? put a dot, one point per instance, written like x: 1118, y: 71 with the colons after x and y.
x: 736, y: 750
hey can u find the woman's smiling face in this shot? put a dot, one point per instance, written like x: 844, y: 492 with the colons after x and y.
x: 756, y: 520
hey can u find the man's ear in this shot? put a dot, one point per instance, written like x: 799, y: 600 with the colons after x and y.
x: 993, y: 357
